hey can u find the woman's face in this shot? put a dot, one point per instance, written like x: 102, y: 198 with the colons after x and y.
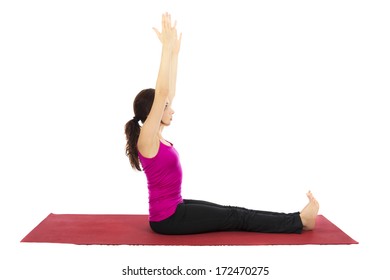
x: 167, y: 115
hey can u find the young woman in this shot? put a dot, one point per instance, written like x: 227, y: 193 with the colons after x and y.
x: 169, y: 213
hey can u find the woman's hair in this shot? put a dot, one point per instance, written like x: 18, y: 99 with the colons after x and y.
x: 142, y: 105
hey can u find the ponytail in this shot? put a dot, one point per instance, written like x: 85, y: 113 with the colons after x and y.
x: 132, y: 131
x: 142, y: 105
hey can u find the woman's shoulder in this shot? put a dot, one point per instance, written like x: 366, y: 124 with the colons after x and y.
x: 148, y: 149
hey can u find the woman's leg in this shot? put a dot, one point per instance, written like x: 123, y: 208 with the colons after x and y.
x: 307, y: 215
x: 194, y: 216
x: 203, y: 202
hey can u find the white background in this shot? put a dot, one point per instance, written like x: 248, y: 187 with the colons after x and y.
x: 273, y: 98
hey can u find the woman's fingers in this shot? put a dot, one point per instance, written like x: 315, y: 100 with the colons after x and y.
x: 166, y: 21
x: 158, y: 33
x: 163, y: 21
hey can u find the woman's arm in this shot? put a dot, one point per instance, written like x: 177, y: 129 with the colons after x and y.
x: 148, y: 141
x: 174, y: 63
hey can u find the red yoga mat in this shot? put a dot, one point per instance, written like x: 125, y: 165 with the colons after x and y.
x: 96, y: 229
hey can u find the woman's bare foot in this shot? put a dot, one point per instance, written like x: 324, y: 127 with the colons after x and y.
x: 309, y: 213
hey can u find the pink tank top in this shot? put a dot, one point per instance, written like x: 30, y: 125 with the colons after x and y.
x: 164, y: 176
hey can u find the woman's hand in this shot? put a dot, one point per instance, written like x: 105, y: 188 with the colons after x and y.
x: 168, y: 35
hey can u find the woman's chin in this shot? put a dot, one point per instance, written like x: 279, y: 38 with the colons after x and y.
x: 167, y: 123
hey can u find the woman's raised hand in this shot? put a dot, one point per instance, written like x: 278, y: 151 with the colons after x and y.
x: 168, y: 35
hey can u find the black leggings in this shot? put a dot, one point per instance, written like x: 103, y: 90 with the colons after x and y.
x: 196, y: 216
